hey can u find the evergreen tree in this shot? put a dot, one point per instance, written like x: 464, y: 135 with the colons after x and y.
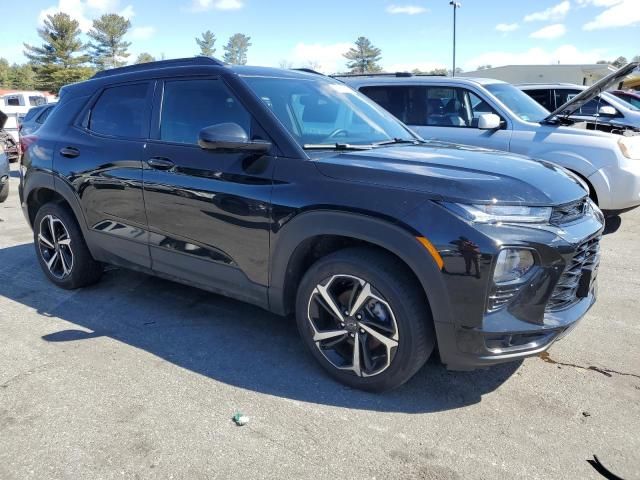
x: 22, y: 77
x: 60, y: 59
x: 235, y: 51
x: 364, y: 57
x: 145, y: 57
x: 108, y: 49
x: 206, y: 44
x: 4, y: 72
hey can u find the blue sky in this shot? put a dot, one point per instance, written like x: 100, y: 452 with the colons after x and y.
x: 412, y: 33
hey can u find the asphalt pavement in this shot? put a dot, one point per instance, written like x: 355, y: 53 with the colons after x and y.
x: 138, y: 377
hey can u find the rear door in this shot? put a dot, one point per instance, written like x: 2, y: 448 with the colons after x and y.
x: 101, y: 158
x: 208, y: 210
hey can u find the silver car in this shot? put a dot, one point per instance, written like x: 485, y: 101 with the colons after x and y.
x: 605, y: 112
x: 494, y: 114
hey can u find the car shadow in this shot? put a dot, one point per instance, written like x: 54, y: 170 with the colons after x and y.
x: 221, y: 339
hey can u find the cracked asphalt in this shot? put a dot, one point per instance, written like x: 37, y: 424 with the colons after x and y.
x: 138, y: 377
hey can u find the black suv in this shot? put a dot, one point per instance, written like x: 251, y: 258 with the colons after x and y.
x: 291, y: 191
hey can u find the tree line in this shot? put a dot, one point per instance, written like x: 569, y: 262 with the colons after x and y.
x: 64, y: 58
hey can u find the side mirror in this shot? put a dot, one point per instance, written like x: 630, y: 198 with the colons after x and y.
x: 607, y: 111
x: 488, y: 121
x: 230, y: 136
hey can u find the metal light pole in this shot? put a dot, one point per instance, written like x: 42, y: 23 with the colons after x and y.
x: 455, y: 6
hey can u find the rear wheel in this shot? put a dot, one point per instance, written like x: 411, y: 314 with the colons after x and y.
x: 364, y: 319
x: 61, y: 249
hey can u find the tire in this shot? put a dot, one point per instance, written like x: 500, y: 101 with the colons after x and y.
x: 73, y: 266
x: 392, y: 326
x: 4, y: 192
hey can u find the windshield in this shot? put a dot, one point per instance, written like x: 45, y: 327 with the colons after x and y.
x: 518, y: 102
x: 320, y: 112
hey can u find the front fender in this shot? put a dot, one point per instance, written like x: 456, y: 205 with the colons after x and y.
x: 398, y: 240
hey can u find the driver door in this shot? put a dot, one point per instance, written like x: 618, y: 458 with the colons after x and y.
x: 208, y: 210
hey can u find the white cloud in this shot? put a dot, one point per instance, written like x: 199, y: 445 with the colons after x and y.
x: 142, y: 33
x: 550, y: 31
x: 327, y: 58
x: 568, y: 54
x: 406, y: 9
x: 619, y: 13
x: 85, y: 11
x: 507, y: 27
x: 201, y: 5
x: 557, y: 12
x: 597, y: 3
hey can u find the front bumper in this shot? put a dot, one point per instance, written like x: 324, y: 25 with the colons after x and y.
x: 468, y: 349
x: 539, y: 313
x: 618, y: 187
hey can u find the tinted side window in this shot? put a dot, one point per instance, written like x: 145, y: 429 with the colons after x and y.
x: 190, y: 105
x: 543, y: 97
x: 43, y: 116
x: 122, y: 112
x: 563, y: 96
x: 406, y: 103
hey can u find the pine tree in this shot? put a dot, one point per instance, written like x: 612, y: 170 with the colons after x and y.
x: 619, y: 62
x: 108, y: 49
x: 364, y: 57
x: 22, y: 77
x: 60, y: 59
x: 145, y: 57
x: 206, y: 44
x: 235, y: 51
x: 4, y: 72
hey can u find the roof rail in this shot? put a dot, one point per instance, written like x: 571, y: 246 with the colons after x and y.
x: 308, y: 70
x: 396, y: 74
x: 176, y: 62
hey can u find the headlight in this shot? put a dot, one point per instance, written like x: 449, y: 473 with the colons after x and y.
x: 630, y: 147
x: 501, y: 213
x: 512, y: 264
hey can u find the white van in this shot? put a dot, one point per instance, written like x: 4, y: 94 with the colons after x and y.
x: 16, y: 105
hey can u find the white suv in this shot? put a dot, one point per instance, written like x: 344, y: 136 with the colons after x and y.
x: 494, y: 114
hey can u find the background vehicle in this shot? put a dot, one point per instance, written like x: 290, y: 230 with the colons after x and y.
x: 16, y: 105
x: 493, y: 114
x: 291, y: 191
x: 605, y: 112
x: 34, y: 118
x: 4, y: 173
x: 629, y: 96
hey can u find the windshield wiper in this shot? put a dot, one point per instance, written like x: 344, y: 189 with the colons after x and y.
x: 397, y: 141
x: 336, y: 146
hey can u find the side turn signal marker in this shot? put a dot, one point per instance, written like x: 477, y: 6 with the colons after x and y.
x: 432, y: 250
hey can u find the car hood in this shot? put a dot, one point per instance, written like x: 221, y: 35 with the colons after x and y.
x: 592, y: 92
x: 453, y: 172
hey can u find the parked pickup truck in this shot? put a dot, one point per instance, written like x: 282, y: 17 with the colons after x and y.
x: 494, y: 114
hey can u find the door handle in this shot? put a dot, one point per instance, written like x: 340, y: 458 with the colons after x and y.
x: 69, y: 152
x: 160, y: 163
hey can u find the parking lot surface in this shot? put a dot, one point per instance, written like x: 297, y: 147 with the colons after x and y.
x: 138, y: 377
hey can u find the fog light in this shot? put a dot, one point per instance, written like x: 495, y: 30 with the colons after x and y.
x: 512, y: 265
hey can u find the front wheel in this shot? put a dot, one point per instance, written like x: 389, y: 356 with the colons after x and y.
x: 365, y: 318
x: 61, y: 249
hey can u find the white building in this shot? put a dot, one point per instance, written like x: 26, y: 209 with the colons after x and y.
x: 577, y: 74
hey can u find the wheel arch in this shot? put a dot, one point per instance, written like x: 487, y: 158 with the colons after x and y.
x: 42, y: 188
x: 314, y: 234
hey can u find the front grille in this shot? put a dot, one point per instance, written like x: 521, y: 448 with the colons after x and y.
x: 587, y: 255
x: 569, y: 212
